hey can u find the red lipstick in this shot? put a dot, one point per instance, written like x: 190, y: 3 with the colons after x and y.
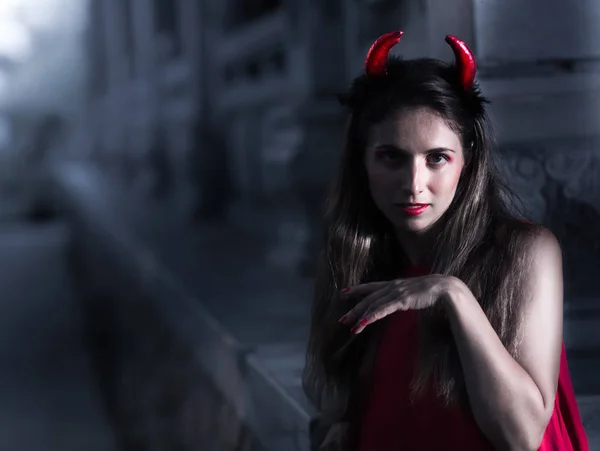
x: 414, y: 209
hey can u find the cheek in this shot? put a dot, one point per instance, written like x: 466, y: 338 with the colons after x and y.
x: 447, y: 182
x: 455, y: 175
x: 381, y: 179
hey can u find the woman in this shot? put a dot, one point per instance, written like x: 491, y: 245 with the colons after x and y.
x: 437, y: 320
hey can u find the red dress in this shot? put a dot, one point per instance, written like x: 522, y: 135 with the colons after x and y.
x: 391, y: 423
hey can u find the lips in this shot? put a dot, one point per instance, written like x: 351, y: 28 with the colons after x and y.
x: 413, y: 209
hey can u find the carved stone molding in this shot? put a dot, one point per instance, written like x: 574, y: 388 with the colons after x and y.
x: 579, y: 173
x: 561, y: 189
x: 528, y: 170
x: 526, y: 177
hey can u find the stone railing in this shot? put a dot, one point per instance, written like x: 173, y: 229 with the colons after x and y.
x: 142, y: 330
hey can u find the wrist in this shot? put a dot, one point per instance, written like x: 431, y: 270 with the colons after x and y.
x: 453, y: 291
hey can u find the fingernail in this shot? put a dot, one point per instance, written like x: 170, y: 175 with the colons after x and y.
x: 343, y: 319
x: 346, y: 290
x: 354, y: 329
x: 363, y: 322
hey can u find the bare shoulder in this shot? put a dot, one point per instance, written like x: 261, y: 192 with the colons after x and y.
x: 544, y: 250
x: 544, y: 238
x: 544, y: 278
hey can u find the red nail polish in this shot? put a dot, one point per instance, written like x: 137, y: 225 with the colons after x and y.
x: 364, y: 321
x: 346, y: 290
x: 354, y: 329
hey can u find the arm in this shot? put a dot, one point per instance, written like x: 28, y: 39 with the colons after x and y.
x: 512, y: 400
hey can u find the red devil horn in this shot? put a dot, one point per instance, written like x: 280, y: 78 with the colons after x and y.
x: 464, y: 61
x: 376, y: 62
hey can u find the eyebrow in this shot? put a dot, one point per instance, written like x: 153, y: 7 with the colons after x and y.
x: 399, y: 149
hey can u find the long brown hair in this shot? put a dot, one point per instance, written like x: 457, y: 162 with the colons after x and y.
x: 481, y: 241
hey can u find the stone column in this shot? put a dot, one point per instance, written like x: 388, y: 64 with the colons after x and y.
x: 98, y: 81
x: 443, y: 18
x: 193, y: 29
x: 210, y: 159
x: 366, y: 20
x: 318, y: 32
x: 118, y: 72
x: 147, y: 89
x: 149, y: 98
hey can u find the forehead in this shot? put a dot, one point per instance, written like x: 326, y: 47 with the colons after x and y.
x: 414, y: 130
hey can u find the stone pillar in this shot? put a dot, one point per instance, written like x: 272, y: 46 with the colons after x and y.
x: 210, y: 84
x: 98, y: 80
x: 193, y: 23
x: 209, y: 158
x: 148, y: 92
x: 118, y: 72
x: 319, y: 31
x: 102, y: 77
x: 252, y: 71
x: 366, y: 20
x: 314, y: 170
x: 443, y: 18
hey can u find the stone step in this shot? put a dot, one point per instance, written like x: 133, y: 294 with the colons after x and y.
x: 276, y: 408
x: 582, y: 339
x: 577, y: 307
x: 584, y: 366
x: 581, y: 319
x: 582, y: 333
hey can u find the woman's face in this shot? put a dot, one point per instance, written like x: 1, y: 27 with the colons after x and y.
x: 413, y: 162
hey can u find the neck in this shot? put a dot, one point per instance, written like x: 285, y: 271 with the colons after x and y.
x: 418, y: 247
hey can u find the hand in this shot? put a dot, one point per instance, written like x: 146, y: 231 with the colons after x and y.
x: 384, y: 298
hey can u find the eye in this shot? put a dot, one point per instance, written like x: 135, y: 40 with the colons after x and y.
x: 388, y: 156
x: 438, y: 159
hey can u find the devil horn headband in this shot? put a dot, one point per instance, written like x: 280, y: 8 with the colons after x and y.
x: 376, y: 62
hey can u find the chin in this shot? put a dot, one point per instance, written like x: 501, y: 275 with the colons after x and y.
x: 413, y: 228
x: 416, y: 225
x: 413, y: 225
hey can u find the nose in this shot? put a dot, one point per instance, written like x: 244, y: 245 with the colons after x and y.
x: 414, y: 179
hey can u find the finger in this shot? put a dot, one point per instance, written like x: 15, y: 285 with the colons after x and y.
x: 352, y: 316
x: 372, y: 298
x: 364, y: 288
x: 359, y: 309
x: 383, y: 308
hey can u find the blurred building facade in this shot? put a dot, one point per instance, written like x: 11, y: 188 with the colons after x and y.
x: 236, y: 101
x: 262, y: 76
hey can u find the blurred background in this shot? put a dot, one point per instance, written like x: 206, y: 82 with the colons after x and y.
x: 162, y: 168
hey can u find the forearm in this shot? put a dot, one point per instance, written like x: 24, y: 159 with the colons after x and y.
x: 507, y: 404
